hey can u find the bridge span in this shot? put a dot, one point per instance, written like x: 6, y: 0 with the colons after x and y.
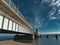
x: 11, y: 19
x: 50, y: 35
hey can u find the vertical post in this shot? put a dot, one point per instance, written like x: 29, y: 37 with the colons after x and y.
x: 47, y: 36
x: 33, y: 36
x: 12, y: 25
x: 8, y: 24
x: 3, y: 21
x: 56, y: 36
x: 18, y: 27
x: 15, y: 26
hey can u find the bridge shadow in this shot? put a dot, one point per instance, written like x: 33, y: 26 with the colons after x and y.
x: 23, y: 38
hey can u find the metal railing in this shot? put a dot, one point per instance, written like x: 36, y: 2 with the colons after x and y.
x: 12, y: 5
x: 7, y: 1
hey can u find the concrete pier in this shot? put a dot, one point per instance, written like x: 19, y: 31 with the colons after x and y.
x: 33, y: 37
x: 37, y: 34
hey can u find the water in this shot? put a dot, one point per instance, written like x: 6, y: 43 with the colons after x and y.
x: 45, y: 41
x: 38, y: 41
x: 6, y: 37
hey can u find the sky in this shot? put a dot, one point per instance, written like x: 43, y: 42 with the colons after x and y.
x: 41, y: 14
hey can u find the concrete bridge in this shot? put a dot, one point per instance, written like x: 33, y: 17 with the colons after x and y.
x: 11, y: 19
x: 51, y: 35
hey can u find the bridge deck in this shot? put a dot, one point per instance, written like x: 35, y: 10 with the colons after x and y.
x: 11, y: 21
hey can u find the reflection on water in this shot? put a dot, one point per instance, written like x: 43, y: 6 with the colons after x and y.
x: 37, y: 41
x: 45, y: 41
x: 23, y: 38
x: 6, y: 37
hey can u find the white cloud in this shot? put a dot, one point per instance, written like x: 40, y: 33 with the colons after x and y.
x: 59, y: 10
x: 52, y: 18
x: 55, y: 2
x: 58, y: 4
x: 52, y: 3
x: 37, y: 21
x: 52, y: 13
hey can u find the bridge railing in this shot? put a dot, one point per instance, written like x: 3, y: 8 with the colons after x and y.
x: 12, y: 5
x: 7, y: 1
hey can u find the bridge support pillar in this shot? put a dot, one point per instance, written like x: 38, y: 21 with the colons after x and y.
x: 56, y: 36
x: 47, y: 36
x: 33, y: 36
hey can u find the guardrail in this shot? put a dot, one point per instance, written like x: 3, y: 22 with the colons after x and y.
x: 12, y: 5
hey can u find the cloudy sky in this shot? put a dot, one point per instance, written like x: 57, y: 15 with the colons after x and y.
x: 41, y: 14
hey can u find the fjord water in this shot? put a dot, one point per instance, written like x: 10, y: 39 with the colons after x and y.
x: 45, y: 41
x: 4, y: 37
x: 37, y: 41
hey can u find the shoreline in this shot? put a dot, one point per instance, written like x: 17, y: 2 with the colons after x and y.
x: 12, y: 42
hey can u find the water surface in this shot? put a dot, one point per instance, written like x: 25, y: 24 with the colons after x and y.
x: 37, y: 41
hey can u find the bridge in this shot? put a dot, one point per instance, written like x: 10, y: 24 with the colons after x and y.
x: 12, y: 21
x: 50, y: 35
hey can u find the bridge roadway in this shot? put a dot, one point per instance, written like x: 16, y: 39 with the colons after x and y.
x: 11, y: 19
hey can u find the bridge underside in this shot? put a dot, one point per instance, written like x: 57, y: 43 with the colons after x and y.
x: 10, y: 32
x: 11, y: 21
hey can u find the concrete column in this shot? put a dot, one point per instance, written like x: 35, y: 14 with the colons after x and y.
x: 56, y: 36
x: 33, y: 36
x: 47, y: 36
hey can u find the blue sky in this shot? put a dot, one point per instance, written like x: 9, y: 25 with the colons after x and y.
x: 41, y: 14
